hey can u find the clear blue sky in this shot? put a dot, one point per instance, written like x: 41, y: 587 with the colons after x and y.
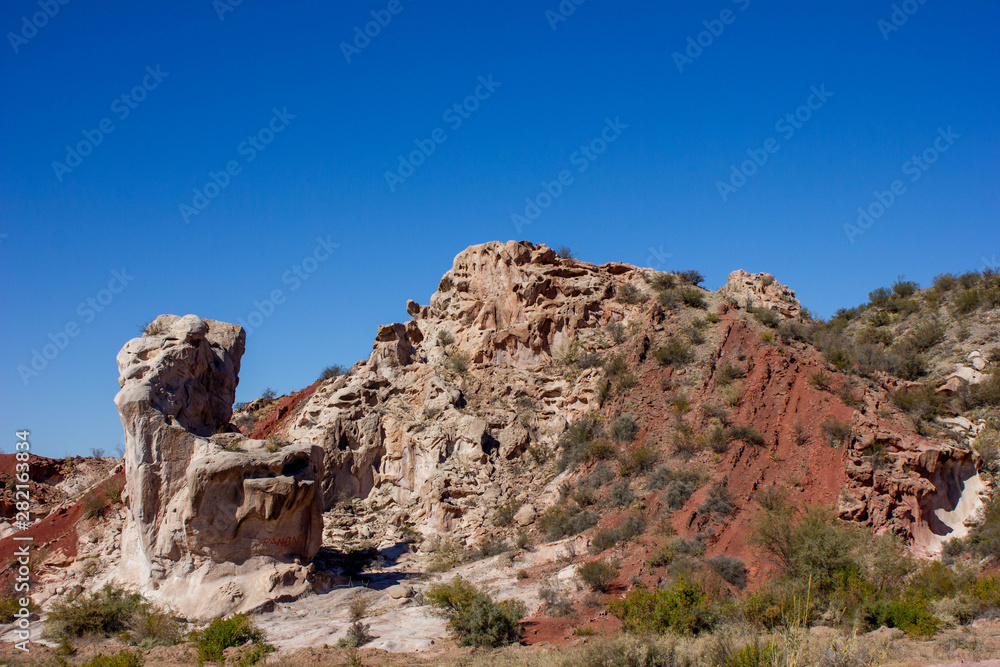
x: 218, y: 81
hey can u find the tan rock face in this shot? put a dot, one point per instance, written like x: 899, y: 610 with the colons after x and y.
x: 430, y: 427
x: 761, y: 290
x: 204, y: 509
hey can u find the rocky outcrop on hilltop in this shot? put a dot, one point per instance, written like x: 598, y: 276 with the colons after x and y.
x: 431, y: 427
x: 761, y: 290
x: 215, y: 522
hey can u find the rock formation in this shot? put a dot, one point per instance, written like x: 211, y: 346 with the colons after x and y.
x: 761, y: 290
x: 215, y: 522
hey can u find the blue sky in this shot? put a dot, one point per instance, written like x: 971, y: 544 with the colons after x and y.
x: 210, y: 85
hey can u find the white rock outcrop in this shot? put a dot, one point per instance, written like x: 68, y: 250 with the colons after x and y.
x: 215, y: 522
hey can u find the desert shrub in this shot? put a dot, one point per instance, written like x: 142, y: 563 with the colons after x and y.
x: 598, y: 575
x: 600, y: 450
x: 474, y: 617
x: 838, y: 432
x: 923, y: 401
x: 675, y: 353
x: 458, y: 362
x: 691, y: 276
x: 983, y: 539
x: 731, y: 394
x: 268, y: 394
x: 682, y: 608
x: 601, y: 476
x: 912, y: 616
x: 446, y: 555
x: 757, y: 654
x: 151, y: 328
x: 565, y: 252
x: 680, y: 489
x: 503, y: 516
x: 330, y: 372
x: 641, y: 460
x: 925, y: 335
x: 967, y: 301
x: 629, y: 294
x: 576, y: 440
x: 444, y: 338
x: 621, y: 494
x: 617, y: 332
x: 358, y: 632
x: 223, y: 633
x: 718, y: 503
x: 659, y: 477
x: 818, y: 548
x: 821, y: 380
x: 105, y: 612
x: 717, y: 441
x: 728, y: 373
x: 746, y: 434
x: 766, y: 316
x: 987, y: 444
x: 692, y: 297
x: 732, y: 570
x: 624, y: 429
x: 557, y: 603
x: 121, y: 659
x: 986, y: 393
x: 715, y: 411
x: 561, y: 521
x: 10, y: 604
x: 663, y: 281
x: 607, y: 538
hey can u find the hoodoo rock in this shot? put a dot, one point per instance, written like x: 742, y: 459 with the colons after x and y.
x: 215, y: 522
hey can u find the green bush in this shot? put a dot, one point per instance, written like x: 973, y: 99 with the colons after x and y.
x: 838, y: 432
x: 757, y: 654
x: 473, y: 616
x: 912, y: 616
x: 692, y: 297
x: 600, y: 450
x: 675, y: 353
x: 223, y: 633
x: 607, y: 538
x: 598, y: 575
x: 561, y: 521
x: 682, y: 608
x: 691, y: 276
x: 642, y: 460
x: 629, y: 294
x: 122, y: 659
x: 10, y: 604
x: 106, y: 612
x: 769, y: 318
